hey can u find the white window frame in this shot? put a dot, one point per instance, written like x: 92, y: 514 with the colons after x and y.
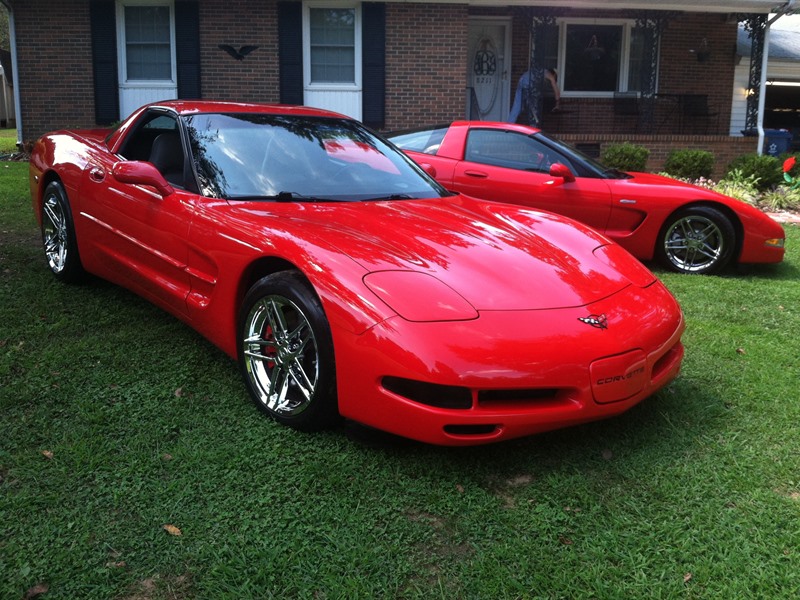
x: 122, y: 62
x: 624, y: 68
x: 307, y: 83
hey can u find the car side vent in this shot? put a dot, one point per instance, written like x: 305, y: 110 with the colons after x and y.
x: 432, y: 394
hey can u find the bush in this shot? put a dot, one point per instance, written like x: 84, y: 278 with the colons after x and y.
x: 690, y: 164
x: 625, y: 157
x: 736, y: 185
x: 781, y: 198
x: 767, y: 170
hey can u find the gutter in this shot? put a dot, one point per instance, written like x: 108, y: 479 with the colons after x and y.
x: 786, y: 9
x: 12, y: 34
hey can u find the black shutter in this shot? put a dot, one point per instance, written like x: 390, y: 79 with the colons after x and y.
x: 290, y: 52
x: 103, y: 24
x: 187, y: 48
x: 373, y: 64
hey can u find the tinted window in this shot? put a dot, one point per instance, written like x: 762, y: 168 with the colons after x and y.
x: 139, y: 143
x: 426, y: 141
x: 511, y: 150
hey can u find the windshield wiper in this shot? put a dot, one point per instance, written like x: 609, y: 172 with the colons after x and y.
x: 391, y: 197
x: 286, y: 197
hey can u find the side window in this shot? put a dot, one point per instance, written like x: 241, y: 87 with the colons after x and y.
x: 426, y: 141
x: 510, y: 150
x: 156, y: 139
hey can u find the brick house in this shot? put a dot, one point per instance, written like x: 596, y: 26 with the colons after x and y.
x: 392, y: 64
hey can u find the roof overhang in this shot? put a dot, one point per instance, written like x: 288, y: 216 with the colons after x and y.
x: 707, y: 6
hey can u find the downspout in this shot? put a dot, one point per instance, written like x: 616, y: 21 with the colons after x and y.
x: 786, y: 9
x: 12, y: 35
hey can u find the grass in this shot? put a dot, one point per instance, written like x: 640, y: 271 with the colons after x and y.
x: 8, y: 141
x: 118, y: 420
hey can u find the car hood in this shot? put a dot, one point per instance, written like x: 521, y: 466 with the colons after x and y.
x: 496, y: 256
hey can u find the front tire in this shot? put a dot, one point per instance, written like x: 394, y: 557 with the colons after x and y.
x: 698, y: 240
x: 58, y: 235
x: 286, y: 353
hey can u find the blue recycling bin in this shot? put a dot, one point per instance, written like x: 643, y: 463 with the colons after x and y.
x: 777, y: 141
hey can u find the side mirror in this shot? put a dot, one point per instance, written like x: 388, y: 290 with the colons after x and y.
x: 562, y: 171
x: 429, y: 169
x: 141, y: 173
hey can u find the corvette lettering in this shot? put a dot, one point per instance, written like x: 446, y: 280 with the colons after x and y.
x: 618, y: 378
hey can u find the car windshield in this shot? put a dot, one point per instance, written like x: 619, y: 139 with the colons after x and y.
x: 299, y: 158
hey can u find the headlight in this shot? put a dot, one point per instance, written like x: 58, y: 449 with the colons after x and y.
x: 623, y: 262
x: 419, y: 297
x: 775, y: 242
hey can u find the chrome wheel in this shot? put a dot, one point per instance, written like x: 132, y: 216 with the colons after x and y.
x: 58, y: 235
x: 697, y: 240
x: 286, y: 352
x: 54, y: 233
x: 281, y: 356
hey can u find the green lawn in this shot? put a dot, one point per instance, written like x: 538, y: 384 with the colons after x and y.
x: 118, y: 420
x: 8, y: 141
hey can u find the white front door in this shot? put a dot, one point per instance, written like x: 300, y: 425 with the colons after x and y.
x: 488, y: 64
x: 332, y: 57
x: 146, y: 53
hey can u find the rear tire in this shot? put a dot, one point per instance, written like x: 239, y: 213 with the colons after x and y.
x: 58, y: 235
x: 286, y: 353
x: 698, y: 240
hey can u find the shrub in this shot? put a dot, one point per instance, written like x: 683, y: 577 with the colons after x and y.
x: 766, y: 169
x: 781, y: 198
x: 736, y: 185
x: 690, y: 164
x: 625, y: 157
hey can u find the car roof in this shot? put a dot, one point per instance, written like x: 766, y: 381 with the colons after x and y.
x: 189, y: 107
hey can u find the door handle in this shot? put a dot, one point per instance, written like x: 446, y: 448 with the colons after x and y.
x: 97, y: 174
x: 478, y: 174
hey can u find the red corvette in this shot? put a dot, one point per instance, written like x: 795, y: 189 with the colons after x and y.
x: 686, y: 228
x: 346, y: 282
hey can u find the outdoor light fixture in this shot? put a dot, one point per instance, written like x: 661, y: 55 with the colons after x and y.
x: 702, y: 52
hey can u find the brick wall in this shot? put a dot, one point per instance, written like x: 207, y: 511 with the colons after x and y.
x: 55, y: 66
x: 239, y: 23
x: 425, y: 63
x: 681, y: 73
x: 426, y: 72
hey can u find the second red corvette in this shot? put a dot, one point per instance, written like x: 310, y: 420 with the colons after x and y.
x: 686, y: 228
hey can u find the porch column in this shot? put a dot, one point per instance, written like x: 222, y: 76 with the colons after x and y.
x: 652, y: 23
x: 756, y: 27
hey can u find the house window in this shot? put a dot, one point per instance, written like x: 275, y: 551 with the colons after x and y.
x: 601, y: 58
x: 332, y: 42
x: 332, y: 45
x: 147, y: 38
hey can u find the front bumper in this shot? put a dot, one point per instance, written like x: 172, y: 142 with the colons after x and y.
x: 526, y: 372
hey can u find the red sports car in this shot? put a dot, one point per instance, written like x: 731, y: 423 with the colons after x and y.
x: 347, y: 282
x: 687, y: 228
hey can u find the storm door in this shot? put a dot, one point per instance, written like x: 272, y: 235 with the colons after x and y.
x: 488, y: 63
x: 146, y: 51
x: 332, y: 57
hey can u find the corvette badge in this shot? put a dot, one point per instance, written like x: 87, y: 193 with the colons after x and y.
x: 598, y: 321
